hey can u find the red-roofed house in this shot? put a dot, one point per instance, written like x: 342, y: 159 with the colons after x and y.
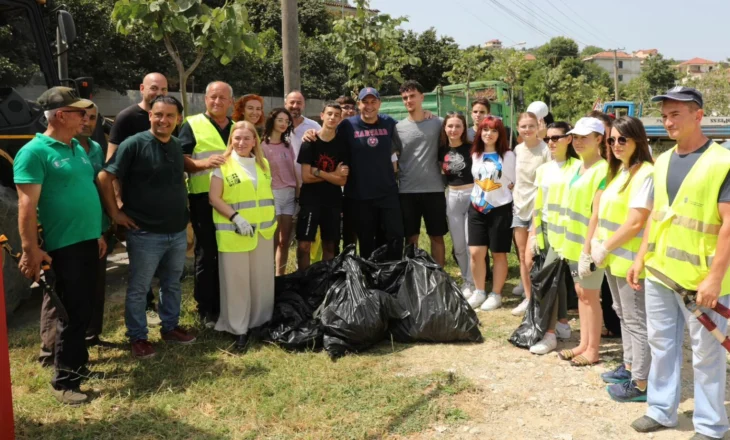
x: 493, y: 44
x: 629, y: 66
x: 696, y: 67
x: 530, y: 57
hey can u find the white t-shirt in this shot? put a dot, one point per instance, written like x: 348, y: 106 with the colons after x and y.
x: 493, y: 176
x: 296, y: 142
x: 550, y: 175
x: 528, y: 160
x: 247, y: 163
x: 643, y: 196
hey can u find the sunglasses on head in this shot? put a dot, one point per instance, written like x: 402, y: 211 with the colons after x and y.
x: 613, y: 140
x: 554, y: 138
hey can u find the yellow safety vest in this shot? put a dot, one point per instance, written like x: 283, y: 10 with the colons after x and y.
x: 208, y: 143
x: 256, y: 205
x: 613, y: 210
x: 683, y: 236
x: 576, y: 208
x: 556, y: 192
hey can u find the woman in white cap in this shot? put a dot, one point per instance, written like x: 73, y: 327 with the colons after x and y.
x: 530, y: 154
x: 584, y: 192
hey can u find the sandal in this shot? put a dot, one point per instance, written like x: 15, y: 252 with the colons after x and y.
x: 582, y: 361
x: 566, y: 355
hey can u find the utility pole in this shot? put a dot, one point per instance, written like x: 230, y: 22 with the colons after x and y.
x: 290, y: 45
x: 615, y: 74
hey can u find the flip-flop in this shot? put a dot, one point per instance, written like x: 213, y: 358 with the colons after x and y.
x: 582, y: 361
x: 566, y: 355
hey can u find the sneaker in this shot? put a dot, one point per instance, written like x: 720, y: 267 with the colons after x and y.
x: 70, y: 397
x: 626, y: 392
x: 494, y: 301
x: 699, y: 436
x: 209, y: 320
x: 153, y: 319
x: 562, y: 331
x: 522, y: 308
x: 467, y: 290
x: 619, y: 375
x: 519, y: 290
x: 646, y: 424
x: 477, y: 298
x: 547, y: 344
x: 142, y: 349
x: 178, y: 335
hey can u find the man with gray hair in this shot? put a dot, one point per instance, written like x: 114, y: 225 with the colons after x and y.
x: 204, y: 138
x: 55, y: 182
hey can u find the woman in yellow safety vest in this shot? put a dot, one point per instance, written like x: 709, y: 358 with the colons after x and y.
x: 584, y: 191
x: 624, y: 207
x: 545, y: 237
x: 245, y: 222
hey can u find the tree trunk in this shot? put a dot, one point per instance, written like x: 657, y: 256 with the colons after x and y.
x: 290, y: 45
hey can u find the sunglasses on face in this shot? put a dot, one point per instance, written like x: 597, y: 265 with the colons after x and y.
x: 621, y: 140
x: 554, y: 138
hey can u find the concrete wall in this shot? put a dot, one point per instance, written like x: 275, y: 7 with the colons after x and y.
x: 111, y: 102
x: 631, y: 67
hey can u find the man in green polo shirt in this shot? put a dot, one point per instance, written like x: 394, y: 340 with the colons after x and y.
x: 55, y: 182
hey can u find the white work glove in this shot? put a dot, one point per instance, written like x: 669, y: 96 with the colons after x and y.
x: 532, y: 243
x: 584, y: 265
x: 242, y: 226
x: 598, y: 252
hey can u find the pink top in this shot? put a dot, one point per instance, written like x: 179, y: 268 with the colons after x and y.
x: 282, y: 160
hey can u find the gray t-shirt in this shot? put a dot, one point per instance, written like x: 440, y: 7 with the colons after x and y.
x: 679, y: 166
x: 418, y: 144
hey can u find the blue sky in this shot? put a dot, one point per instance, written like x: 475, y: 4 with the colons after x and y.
x: 679, y: 29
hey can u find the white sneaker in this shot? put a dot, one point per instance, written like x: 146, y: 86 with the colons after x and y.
x: 562, y: 331
x: 547, y: 344
x: 467, y: 290
x: 477, y: 298
x: 494, y: 301
x: 519, y: 290
x: 522, y: 308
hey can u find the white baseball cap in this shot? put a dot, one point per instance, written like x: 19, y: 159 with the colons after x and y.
x: 539, y: 109
x: 586, y: 126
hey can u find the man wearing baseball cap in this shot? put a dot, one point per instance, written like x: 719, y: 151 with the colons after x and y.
x: 686, y: 245
x: 55, y: 182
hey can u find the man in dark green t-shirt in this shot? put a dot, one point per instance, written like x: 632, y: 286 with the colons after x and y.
x: 55, y: 182
x: 149, y: 166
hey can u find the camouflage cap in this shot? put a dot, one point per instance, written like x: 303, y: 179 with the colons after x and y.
x: 57, y: 97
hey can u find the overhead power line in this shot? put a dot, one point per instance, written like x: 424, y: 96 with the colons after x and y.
x: 478, y: 17
x: 518, y: 18
x: 549, y: 20
x: 605, y: 39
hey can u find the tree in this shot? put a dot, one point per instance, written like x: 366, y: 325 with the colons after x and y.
x: 576, y: 97
x: 437, y: 56
x: 223, y: 31
x: 370, y: 47
x: 659, y: 74
x: 590, y: 50
x: 266, y: 14
x: 556, y: 50
x: 715, y: 90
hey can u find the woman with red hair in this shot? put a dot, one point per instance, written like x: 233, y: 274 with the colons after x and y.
x: 490, y: 213
x: 250, y: 108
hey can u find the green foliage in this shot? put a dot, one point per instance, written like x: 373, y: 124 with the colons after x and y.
x: 17, y: 52
x: 657, y: 75
x: 222, y: 31
x: 590, y: 50
x: 312, y: 15
x: 369, y: 47
x: 437, y: 56
x: 556, y: 50
x: 715, y: 90
x: 471, y: 64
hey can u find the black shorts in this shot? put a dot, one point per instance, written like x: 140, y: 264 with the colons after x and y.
x: 429, y: 206
x: 493, y: 229
x: 326, y: 218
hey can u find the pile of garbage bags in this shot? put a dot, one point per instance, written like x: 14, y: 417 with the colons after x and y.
x: 349, y: 304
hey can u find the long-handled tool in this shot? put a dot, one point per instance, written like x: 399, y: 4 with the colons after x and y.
x: 690, y: 301
x: 45, y: 281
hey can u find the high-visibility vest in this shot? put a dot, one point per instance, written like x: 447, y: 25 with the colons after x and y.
x: 207, y: 143
x: 256, y: 205
x: 683, y: 236
x: 556, y: 192
x: 613, y: 210
x: 577, y: 207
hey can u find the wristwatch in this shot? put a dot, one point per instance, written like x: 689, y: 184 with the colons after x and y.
x: 316, y: 172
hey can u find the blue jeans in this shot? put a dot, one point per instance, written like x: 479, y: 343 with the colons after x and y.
x: 666, y: 317
x: 149, y: 254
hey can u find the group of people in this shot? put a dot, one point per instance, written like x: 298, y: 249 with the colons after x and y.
x: 590, y: 194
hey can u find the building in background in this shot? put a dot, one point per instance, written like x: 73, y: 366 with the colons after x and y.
x: 493, y: 44
x: 342, y: 8
x: 696, y: 67
x: 629, y: 66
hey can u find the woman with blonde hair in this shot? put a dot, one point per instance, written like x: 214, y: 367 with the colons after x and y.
x: 245, y: 222
x: 250, y: 108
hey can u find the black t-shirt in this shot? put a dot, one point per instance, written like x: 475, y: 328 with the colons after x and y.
x: 456, y: 164
x: 681, y: 164
x: 151, y: 172
x: 187, y: 138
x: 370, y: 148
x: 324, y: 156
x: 130, y: 121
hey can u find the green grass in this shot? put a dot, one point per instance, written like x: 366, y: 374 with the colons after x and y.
x: 205, y: 391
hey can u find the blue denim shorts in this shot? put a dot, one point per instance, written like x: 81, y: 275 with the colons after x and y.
x: 519, y: 223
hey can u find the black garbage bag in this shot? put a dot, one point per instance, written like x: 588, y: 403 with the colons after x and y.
x: 291, y: 326
x: 386, y: 275
x: 437, y: 310
x: 354, y: 317
x: 548, y: 283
